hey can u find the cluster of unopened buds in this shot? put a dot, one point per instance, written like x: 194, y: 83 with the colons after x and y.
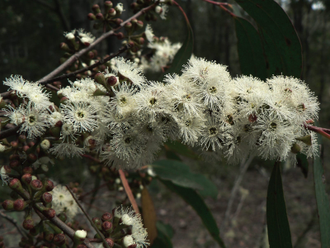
x: 122, y: 227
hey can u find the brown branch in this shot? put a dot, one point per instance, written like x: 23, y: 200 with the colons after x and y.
x: 128, y: 191
x: 102, y: 61
x: 222, y: 6
x: 318, y: 130
x: 89, y: 218
x: 14, y: 222
x: 77, y: 55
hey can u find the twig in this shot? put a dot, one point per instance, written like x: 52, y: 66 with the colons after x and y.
x: 102, y: 61
x: 319, y: 130
x: 222, y: 6
x: 82, y: 196
x: 128, y: 191
x: 14, y: 222
x: 243, y: 167
x: 89, y: 218
x: 77, y: 55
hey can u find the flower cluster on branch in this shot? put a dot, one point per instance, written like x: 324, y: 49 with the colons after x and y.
x: 124, y: 119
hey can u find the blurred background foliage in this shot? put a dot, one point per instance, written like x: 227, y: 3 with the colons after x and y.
x: 30, y: 34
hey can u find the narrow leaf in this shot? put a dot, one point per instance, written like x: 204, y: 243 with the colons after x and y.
x: 180, y: 148
x: 322, y: 200
x: 252, y: 60
x: 163, y: 240
x: 302, y: 163
x: 180, y: 174
x: 149, y: 215
x: 279, y: 235
x: 194, y: 200
x: 281, y: 44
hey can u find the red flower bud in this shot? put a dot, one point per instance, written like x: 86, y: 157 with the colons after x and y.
x: 49, y: 185
x: 28, y: 223
x: 20, y: 205
x: 106, y: 225
x: 50, y: 213
x: 91, y: 16
x: 8, y: 205
x: 59, y: 239
x: 27, y: 170
x: 47, y: 197
x: 112, y: 80
x: 107, y: 216
x: 26, y: 178
x: 36, y: 184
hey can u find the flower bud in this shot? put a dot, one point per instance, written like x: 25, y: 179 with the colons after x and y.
x: 14, y: 144
x: 107, y: 225
x: 91, y: 16
x: 32, y: 157
x: 80, y: 234
x: 48, y: 236
x: 49, y: 185
x: 306, y: 139
x: 8, y: 205
x: 99, y: 77
x: 295, y: 148
x: 128, y: 25
x: 27, y: 170
x: 120, y: 36
x: 50, y: 213
x: 106, y: 216
x: 96, y: 8
x: 112, y: 12
x: 28, y: 223
x: 65, y: 47
x: 22, y: 138
x: 141, y: 41
x: 112, y: 81
x: 158, y: 10
x: 46, y: 197
x: 128, y: 241
x: 99, y: 16
x: 20, y: 204
x: 36, y: 184
x: 15, y: 184
x: 14, y: 163
x: 110, y: 242
x: 108, y: 5
x: 119, y: 8
x: 45, y: 144
x: 26, y: 179
x: 139, y: 24
x: 59, y: 239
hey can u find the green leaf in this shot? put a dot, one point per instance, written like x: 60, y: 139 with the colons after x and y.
x: 192, y: 198
x: 179, y: 174
x: 165, y: 229
x: 250, y: 49
x: 280, y: 41
x: 162, y: 240
x: 302, y: 163
x: 322, y: 200
x: 279, y: 235
x: 180, y: 148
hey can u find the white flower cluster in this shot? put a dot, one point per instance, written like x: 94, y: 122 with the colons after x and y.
x: 204, y: 108
x: 139, y: 234
x: 163, y: 52
x: 63, y: 202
